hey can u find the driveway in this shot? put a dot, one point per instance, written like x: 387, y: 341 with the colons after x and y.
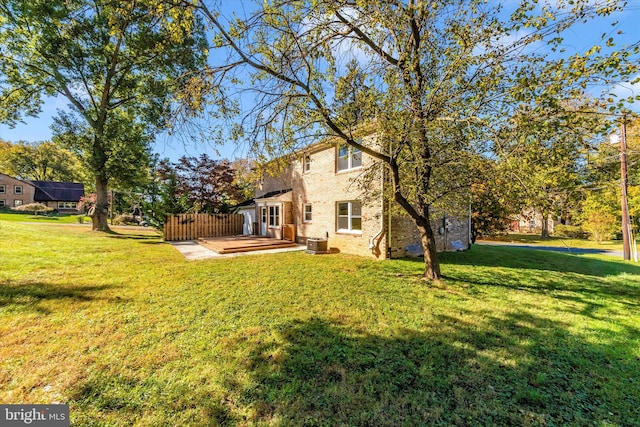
x: 574, y: 251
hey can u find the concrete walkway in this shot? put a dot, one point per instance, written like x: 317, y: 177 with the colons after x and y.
x: 193, y: 251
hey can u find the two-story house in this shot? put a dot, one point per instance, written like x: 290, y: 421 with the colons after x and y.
x: 334, y: 192
x: 61, y: 196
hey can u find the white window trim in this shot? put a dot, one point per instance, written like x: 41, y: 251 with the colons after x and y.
x: 349, y: 217
x: 3, y: 189
x: 304, y: 213
x: 15, y: 189
x: 273, y: 216
x: 17, y: 202
x: 67, y: 205
x: 350, y: 153
x: 3, y: 203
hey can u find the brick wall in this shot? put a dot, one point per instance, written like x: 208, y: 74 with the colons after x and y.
x: 9, y: 196
x: 404, y: 232
x: 323, y: 187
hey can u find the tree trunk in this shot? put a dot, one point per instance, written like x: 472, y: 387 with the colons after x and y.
x: 545, y: 226
x: 431, y: 262
x: 101, y: 211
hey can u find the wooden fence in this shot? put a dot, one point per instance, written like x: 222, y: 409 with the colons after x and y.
x: 194, y: 226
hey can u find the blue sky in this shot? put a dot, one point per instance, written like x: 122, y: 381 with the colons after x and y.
x: 577, y: 39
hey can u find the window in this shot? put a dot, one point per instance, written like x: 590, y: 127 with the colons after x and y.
x: 3, y: 203
x: 2, y: 189
x: 274, y: 216
x: 17, y: 203
x: 349, y: 216
x: 17, y: 189
x: 349, y: 157
x: 67, y: 205
x: 307, y: 212
x: 307, y: 163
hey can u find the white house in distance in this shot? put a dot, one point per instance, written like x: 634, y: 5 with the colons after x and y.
x: 315, y: 194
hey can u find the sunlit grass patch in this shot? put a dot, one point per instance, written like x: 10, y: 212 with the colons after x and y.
x: 127, y: 332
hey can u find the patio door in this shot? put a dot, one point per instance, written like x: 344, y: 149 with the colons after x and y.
x: 263, y: 221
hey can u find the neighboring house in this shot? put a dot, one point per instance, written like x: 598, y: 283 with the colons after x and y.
x: 14, y: 192
x: 61, y: 196
x: 530, y: 221
x: 318, y: 192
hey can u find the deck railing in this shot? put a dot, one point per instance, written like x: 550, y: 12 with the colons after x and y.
x: 193, y: 226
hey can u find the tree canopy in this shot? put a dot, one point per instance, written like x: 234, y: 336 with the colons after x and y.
x: 438, y: 80
x: 116, y: 63
x: 40, y: 161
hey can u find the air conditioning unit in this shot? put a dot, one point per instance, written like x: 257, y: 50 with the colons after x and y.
x: 317, y: 246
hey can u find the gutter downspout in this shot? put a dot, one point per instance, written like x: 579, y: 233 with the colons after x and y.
x: 379, y: 233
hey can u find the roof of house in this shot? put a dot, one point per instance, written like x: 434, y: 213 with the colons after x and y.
x: 57, y: 191
x: 249, y: 202
x: 271, y: 194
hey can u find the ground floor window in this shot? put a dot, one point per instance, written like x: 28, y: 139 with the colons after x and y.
x: 307, y: 212
x: 3, y: 203
x: 17, y: 203
x: 349, y: 216
x: 67, y: 205
x: 274, y: 216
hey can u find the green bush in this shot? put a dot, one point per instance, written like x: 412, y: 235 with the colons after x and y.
x: 571, y: 231
x: 126, y: 219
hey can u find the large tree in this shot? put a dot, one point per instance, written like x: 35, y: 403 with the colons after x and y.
x: 547, y: 156
x: 207, y: 184
x: 437, y: 79
x: 117, y: 63
x: 40, y: 161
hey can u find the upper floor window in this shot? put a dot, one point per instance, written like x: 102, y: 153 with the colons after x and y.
x: 17, y: 189
x: 307, y: 163
x: 349, y: 157
x: 349, y: 216
x: 2, y: 189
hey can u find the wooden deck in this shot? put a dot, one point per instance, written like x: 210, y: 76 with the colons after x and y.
x: 233, y: 244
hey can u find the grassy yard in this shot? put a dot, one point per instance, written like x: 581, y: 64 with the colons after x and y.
x: 535, y: 239
x: 127, y: 332
x: 46, y: 218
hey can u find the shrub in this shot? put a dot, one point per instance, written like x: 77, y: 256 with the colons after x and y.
x: 126, y: 219
x: 33, y: 208
x: 600, y: 225
x: 571, y: 231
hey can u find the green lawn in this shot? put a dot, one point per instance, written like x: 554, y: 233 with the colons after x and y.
x: 127, y: 332
x: 42, y: 218
x: 535, y: 239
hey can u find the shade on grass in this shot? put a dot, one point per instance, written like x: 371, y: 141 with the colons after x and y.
x: 126, y: 331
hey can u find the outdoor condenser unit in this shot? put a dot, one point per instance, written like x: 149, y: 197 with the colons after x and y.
x: 316, y: 246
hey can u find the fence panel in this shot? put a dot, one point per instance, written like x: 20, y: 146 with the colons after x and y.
x: 193, y: 226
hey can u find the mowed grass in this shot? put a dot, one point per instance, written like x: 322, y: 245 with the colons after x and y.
x: 127, y: 332
x: 565, y: 242
x: 42, y: 218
